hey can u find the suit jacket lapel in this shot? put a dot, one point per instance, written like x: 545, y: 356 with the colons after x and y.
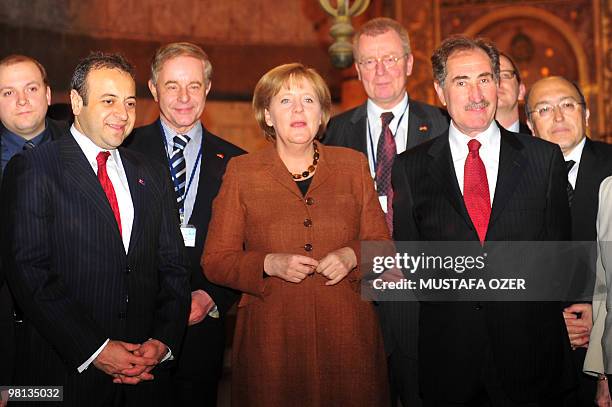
x: 419, y: 126
x: 79, y: 173
x: 511, y: 167
x: 443, y: 173
x: 211, y: 173
x: 137, y: 183
x: 278, y: 172
x: 358, y: 130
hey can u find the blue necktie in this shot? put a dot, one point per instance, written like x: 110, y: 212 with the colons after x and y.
x: 177, y: 162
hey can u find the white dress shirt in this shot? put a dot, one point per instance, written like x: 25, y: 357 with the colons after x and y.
x: 515, y: 127
x: 116, y: 173
x: 490, y: 141
x: 575, y: 155
x: 399, y: 127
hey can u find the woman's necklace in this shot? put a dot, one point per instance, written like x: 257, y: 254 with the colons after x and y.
x: 311, y: 169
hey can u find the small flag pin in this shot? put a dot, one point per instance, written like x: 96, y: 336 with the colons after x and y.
x: 423, y: 128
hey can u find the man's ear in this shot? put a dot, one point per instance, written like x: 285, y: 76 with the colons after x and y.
x: 521, y: 94
x: 153, y: 90
x: 440, y: 93
x: 208, y: 87
x: 76, y: 102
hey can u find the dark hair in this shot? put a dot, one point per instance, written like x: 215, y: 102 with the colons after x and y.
x: 94, y: 61
x: 458, y: 43
x: 574, y: 84
x: 517, y: 72
x: 17, y: 58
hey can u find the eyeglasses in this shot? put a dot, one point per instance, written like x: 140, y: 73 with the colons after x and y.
x: 389, y: 61
x: 507, y: 74
x: 567, y: 106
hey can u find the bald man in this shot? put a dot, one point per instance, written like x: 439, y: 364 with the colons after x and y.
x: 557, y: 112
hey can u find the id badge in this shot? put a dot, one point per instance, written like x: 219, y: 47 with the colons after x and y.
x: 383, y: 202
x: 189, y: 235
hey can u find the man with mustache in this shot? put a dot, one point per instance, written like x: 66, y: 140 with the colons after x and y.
x: 480, y: 183
x: 93, y: 253
x: 511, y: 91
x: 557, y: 112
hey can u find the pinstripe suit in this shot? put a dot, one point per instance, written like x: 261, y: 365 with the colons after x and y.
x: 55, y: 130
x: 526, y: 344
x: 69, y: 272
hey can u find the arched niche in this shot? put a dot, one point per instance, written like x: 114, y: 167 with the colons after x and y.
x: 555, y: 48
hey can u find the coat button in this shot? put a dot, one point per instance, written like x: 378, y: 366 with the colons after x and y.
x: 127, y: 270
x: 309, y: 201
x: 121, y: 315
x: 478, y: 307
x: 307, y: 223
x: 308, y: 247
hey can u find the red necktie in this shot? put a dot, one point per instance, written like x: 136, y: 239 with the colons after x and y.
x: 476, y: 190
x: 107, y: 185
x: 385, y: 154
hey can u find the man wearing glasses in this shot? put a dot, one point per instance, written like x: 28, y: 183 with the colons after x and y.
x: 388, y: 124
x: 557, y: 112
x: 511, y: 91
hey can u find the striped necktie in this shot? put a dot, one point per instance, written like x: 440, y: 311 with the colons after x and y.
x: 177, y: 162
x: 385, y: 154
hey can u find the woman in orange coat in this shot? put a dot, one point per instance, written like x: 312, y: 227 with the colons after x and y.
x: 286, y: 231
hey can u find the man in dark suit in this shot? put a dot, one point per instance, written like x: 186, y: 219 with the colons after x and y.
x: 180, y: 81
x: 557, y: 112
x: 93, y: 253
x: 383, y: 60
x: 25, y: 97
x: 511, y: 91
x: 494, y: 353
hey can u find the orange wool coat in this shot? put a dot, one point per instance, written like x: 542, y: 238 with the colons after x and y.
x: 303, y: 344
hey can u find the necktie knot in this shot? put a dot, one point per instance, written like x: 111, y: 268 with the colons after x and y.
x: 102, y: 157
x: 474, y: 146
x: 386, y: 118
x: 570, y: 164
x: 180, y: 141
x: 28, y: 145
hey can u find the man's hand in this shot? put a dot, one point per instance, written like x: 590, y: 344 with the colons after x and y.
x: 337, y: 264
x: 118, y: 356
x: 151, y: 350
x: 579, y: 321
x: 602, y: 396
x: 201, y: 304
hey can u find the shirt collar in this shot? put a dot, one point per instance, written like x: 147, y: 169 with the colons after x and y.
x: 515, y: 127
x: 18, y: 142
x: 90, y: 149
x: 459, y: 141
x: 576, y: 153
x: 194, y: 134
x: 374, y: 111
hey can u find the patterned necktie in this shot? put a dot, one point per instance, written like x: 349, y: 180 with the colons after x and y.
x: 107, y: 185
x: 570, y: 190
x: 177, y: 162
x: 28, y: 145
x: 385, y: 153
x: 476, y: 190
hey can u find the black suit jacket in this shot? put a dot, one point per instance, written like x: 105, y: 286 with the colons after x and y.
x: 526, y: 342
x: 595, y: 165
x: 349, y: 129
x: 216, y: 153
x: 7, y: 339
x: 68, y: 269
x: 524, y: 129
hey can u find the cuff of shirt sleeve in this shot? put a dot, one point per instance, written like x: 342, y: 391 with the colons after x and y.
x: 93, y: 357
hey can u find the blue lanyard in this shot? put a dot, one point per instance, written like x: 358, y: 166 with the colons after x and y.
x: 173, y: 173
x: 371, y: 139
